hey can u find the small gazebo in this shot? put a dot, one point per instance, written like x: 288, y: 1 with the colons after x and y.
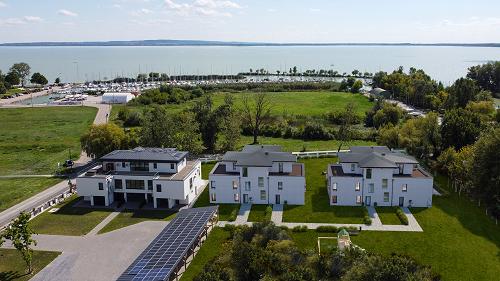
x: 343, y: 239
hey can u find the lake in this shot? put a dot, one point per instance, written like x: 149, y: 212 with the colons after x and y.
x: 80, y: 64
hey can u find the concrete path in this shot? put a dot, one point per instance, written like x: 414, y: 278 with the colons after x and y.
x: 374, y: 216
x: 95, y: 257
x: 412, y: 221
x: 103, y: 223
x: 243, y: 213
x: 277, y: 214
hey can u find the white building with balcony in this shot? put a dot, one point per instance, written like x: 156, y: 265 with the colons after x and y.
x: 375, y: 175
x: 161, y: 176
x: 259, y: 174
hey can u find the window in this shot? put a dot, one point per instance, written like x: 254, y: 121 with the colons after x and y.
x: 245, y: 172
x: 401, y: 168
x: 155, y: 166
x: 358, y: 186
x: 262, y: 195
x: 172, y: 166
x: 371, y: 188
x: 150, y: 185
x: 134, y: 184
x: 248, y: 186
x: 212, y: 184
x: 405, y: 187
x: 386, y: 196
x: 280, y: 185
x: 280, y: 167
x: 353, y: 167
x: 232, y: 166
x: 212, y: 197
x: 384, y: 183
x: 101, y: 186
x: 334, y: 199
x: 139, y: 166
x: 236, y: 197
x: 118, y: 184
x: 123, y: 164
x: 368, y: 173
x: 334, y: 186
x: 235, y: 184
x: 359, y: 200
x: 261, y: 182
x: 158, y: 188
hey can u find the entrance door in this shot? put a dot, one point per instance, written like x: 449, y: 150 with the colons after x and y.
x: 278, y: 199
x: 245, y: 198
x: 368, y: 200
x: 401, y: 201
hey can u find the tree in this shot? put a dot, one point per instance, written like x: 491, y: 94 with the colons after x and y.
x: 230, y: 125
x: 208, y: 120
x: 38, y: 78
x: 57, y: 81
x: 22, y: 70
x: 389, y: 114
x: 20, y: 233
x: 3, y: 90
x: 12, y: 79
x: 349, y: 119
x: 186, y: 133
x: 256, y: 112
x: 102, y: 139
x: 356, y: 86
x: 461, y: 93
x: 388, y: 135
x: 157, y: 128
x: 487, y: 76
x: 460, y: 128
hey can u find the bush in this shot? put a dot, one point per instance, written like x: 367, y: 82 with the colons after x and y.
x: 300, y: 228
x: 402, y: 216
x: 325, y: 228
x: 367, y: 220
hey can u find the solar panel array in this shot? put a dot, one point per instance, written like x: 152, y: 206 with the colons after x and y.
x: 160, y: 259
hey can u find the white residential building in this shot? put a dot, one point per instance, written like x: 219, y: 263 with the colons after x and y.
x: 162, y: 176
x: 375, y: 175
x: 259, y: 174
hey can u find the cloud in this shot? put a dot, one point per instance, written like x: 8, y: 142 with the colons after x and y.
x: 67, y: 13
x: 150, y: 22
x: 2, y: 4
x: 33, y: 19
x: 314, y: 10
x: 19, y: 21
x: 203, y: 7
x: 118, y: 6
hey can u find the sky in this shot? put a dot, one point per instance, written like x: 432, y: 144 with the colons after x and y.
x: 312, y: 21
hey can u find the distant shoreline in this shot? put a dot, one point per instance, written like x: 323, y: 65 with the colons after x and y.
x: 195, y: 43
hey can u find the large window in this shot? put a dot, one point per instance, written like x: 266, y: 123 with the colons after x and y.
x: 158, y: 188
x: 334, y: 199
x: 280, y: 167
x: 172, y: 166
x: 262, y: 195
x: 248, y: 186
x: 385, y: 183
x: 135, y: 184
x: 150, y: 185
x: 358, y: 186
x: 368, y: 173
x: 212, y: 184
x: 386, y: 196
x: 139, y: 166
x: 101, y: 186
x: 245, y: 172
x: 236, y: 197
x: 123, y: 164
x: 353, y: 167
x: 118, y: 184
x: 404, y: 187
x: 359, y: 200
x: 261, y: 182
x: 280, y: 185
x: 155, y: 166
x: 371, y: 188
x: 212, y: 197
x: 235, y: 184
x: 334, y: 186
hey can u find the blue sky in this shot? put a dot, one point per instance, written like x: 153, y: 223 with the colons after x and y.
x: 422, y: 21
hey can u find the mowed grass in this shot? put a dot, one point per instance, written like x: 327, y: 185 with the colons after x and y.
x: 295, y: 145
x: 211, y: 248
x: 131, y: 217
x: 34, y: 140
x: 317, y: 207
x: 69, y: 220
x: 16, y: 190
x: 388, y: 215
x: 13, y: 267
x: 260, y: 213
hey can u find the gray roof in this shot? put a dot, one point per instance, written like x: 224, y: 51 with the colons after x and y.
x: 259, y: 155
x: 375, y: 157
x: 146, y: 154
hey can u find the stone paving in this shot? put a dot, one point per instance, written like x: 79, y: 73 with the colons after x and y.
x: 277, y: 214
x: 243, y: 214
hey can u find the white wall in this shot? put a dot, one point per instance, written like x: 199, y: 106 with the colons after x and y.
x: 419, y: 191
x: 224, y: 192
x: 293, y: 192
x: 346, y: 191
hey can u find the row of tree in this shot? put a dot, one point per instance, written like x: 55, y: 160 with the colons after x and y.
x: 18, y: 75
x: 293, y: 71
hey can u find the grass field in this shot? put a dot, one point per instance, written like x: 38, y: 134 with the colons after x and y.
x: 317, y: 207
x: 130, y: 217
x: 295, y: 145
x: 69, y: 220
x: 211, y: 248
x: 34, y: 140
x: 13, y: 267
x: 260, y: 213
x: 388, y: 215
x: 16, y: 190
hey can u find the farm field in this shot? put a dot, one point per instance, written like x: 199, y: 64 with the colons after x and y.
x: 34, y: 140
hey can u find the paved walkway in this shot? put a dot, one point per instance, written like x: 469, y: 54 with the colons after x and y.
x: 243, y: 214
x: 104, y: 223
x: 277, y: 214
x: 374, y: 216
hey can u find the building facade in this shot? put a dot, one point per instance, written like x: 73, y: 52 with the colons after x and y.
x: 259, y: 174
x: 377, y: 176
x: 163, y: 177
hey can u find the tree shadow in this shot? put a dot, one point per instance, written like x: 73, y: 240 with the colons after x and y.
x: 11, y: 275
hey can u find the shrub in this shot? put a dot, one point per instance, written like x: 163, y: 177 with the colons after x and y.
x: 367, y: 220
x: 327, y: 228
x: 402, y: 216
x: 299, y: 228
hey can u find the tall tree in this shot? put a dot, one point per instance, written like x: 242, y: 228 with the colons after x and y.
x: 12, y: 79
x: 186, y: 135
x: 486, y: 168
x: 230, y: 125
x: 102, y: 139
x: 348, y: 119
x: 256, y: 112
x: 20, y: 233
x: 460, y: 128
x: 208, y: 120
x: 22, y: 70
x: 461, y: 93
x: 157, y: 128
x: 38, y: 78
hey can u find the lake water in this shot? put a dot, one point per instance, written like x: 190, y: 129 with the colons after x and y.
x: 87, y: 63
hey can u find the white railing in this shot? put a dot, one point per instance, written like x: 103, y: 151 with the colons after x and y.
x: 317, y: 154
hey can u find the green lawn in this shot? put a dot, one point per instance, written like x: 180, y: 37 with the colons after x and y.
x: 16, y: 190
x: 388, y: 215
x: 295, y: 145
x: 317, y: 207
x: 69, y: 220
x: 211, y: 248
x: 34, y: 140
x: 260, y: 213
x: 13, y: 267
x: 130, y: 217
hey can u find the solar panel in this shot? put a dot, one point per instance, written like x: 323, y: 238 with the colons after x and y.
x: 160, y: 259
